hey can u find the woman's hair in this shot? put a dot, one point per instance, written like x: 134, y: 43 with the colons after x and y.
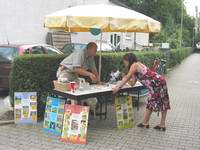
x: 131, y: 58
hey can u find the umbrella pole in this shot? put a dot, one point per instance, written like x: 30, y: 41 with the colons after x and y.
x: 100, y: 56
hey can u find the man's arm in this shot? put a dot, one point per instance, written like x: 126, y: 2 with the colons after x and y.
x: 81, y: 71
x: 95, y: 72
x: 84, y: 72
x: 126, y: 78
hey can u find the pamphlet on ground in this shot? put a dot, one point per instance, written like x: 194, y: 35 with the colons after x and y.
x: 75, y: 124
x: 124, y: 112
x: 25, y: 107
x: 54, y: 112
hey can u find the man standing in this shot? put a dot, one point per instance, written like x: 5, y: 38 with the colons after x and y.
x: 78, y: 63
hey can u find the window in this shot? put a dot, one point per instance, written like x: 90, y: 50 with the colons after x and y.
x: 111, y: 39
x: 79, y: 46
x: 68, y: 48
x: 37, y: 50
x: 27, y: 51
x: 114, y: 39
x: 7, y: 53
x: 52, y: 50
x: 128, y: 36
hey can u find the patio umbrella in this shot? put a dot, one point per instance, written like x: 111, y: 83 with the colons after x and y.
x: 105, y: 17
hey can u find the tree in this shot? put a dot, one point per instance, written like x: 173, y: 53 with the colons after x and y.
x: 168, y: 12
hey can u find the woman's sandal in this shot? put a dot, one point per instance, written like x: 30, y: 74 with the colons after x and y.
x: 160, y: 128
x: 141, y: 125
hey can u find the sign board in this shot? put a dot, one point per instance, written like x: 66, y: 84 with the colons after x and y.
x: 124, y: 112
x: 53, y: 118
x: 75, y: 124
x: 25, y: 107
x: 165, y: 46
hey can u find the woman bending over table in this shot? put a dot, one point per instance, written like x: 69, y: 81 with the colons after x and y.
x: 158, y: 98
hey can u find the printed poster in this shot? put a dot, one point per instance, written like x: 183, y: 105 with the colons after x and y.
x: 124, y: 112
x: 54, y: 113
x: 25, y: 107
x: 75, y: 124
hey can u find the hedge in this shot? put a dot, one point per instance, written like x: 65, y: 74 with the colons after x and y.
x: 176, y: 56
x: 36, y: 72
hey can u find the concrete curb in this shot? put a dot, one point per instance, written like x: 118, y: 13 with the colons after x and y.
x: 6, y: 122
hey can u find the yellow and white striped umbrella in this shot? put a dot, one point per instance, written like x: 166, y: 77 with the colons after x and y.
x: 108, y: 18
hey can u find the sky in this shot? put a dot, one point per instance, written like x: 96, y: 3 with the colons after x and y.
x: 190, y: 6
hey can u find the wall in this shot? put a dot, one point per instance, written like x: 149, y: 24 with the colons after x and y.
x: 22, y: 20
x: 95, y: 1
x: 142, y: 39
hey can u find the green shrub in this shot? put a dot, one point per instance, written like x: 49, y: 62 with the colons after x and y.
x: 36, y: 72
x: 177, y: 55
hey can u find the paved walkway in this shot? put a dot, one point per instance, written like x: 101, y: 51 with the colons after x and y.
x: 183, y: 125
x: 4, y: 104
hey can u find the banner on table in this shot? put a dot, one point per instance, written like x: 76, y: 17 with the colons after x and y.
x: 53, y: 118
x: 75, y: 124
x: 25, y: 107
x: 124, y: 112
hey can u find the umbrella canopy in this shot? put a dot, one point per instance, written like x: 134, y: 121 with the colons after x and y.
x: 108, y: 18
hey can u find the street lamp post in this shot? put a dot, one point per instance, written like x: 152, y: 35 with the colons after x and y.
x: 193, y: 43
x: 181, y: 34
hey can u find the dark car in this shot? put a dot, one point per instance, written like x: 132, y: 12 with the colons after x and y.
x: 9, y: 52
x: 70, y: 47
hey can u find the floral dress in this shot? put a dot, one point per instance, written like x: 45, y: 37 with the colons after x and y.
x: 158, y: 98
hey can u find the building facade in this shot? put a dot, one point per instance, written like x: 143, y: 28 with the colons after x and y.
x: 22, y: 22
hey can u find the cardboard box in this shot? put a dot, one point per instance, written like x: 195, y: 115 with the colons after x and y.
x: 61, y: 86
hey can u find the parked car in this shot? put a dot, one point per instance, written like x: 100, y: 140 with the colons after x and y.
x: 9, y: 52
x: 198, y: 45
x: 70, y: 47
